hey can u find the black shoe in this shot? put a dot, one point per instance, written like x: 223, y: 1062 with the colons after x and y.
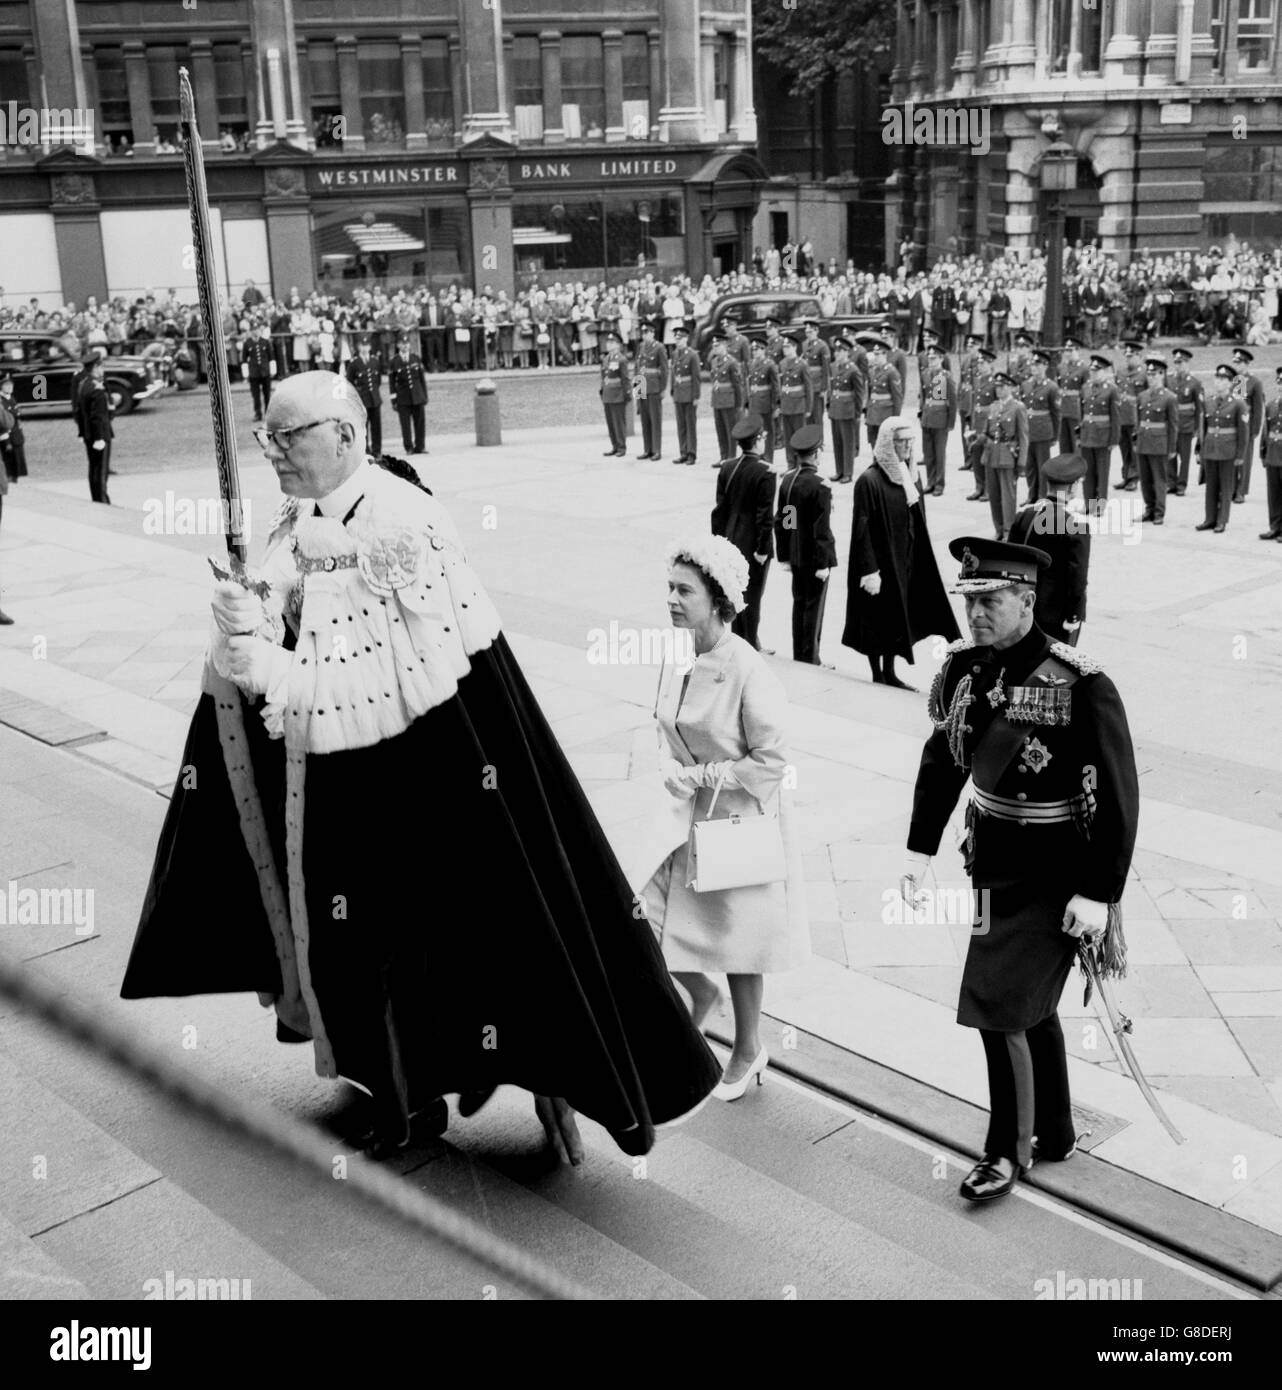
x: 989, y: 1178
x: 1178, y: 492
x: 1206, y: 526
x: 691, y: 461
x: 610, y: 453
x: 937, y: 492
x: 678, y: 462
x: 5, y: 619
x: 1157, y: 521
x: 1219, y: 530
x: 429, y: 1123
x: 1239, y: 499
x: 1040, y: 1157
x: 897, y: 683
x: 836, y: 478
x: 1269, y: 536
x: 964, y: 468
x: 975, y: 497
x: 1147, y: 516
x: 620, y: 453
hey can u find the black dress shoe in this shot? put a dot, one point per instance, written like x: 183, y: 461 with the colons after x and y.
x: 677, y: 461
x: 610, y: 453
x: 989, y: 1178
x: 690, y: 462
x: 5, y: 619
x: 620, y: 453
x: 1204, y: 525
x: 974, y: 496
x: 1157, y: 521
x: 1269, y: 536
x: 1178, y: 492
x: 1219, y: 530
x: 1040, y: 1155
x: 429, y: 1123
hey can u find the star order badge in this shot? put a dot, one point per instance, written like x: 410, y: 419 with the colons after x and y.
x: 1034, y: 754
x: 391, y: 561
x: 970, y: 564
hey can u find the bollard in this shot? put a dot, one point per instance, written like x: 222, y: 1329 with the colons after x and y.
x: 486, y: 407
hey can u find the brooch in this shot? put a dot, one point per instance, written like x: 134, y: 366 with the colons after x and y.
x: 392, y: 561
x: 1035, y: 754
x: 996, y: 695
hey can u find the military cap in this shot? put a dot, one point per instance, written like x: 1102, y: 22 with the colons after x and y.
x: 748, y: 428
x: 988, y: 354
x: 1041, y: 355
x: 775, y: 319
x: 876, y: 342
x: 681, y: 331
x: 1003, y: 379
x: 1184, y: 354
x: 929, y: 333
x: 841, y: 341
x: 1243, y: 354
x: 755, y: 343
x: 807, y: 439
x: 988, y: 565
x: 1224, y: 369
x: 975, y: 338
x: 1070, y: 341
x: 647, y: 325
x: 794, y: 337
x: 1099, y: 360
x: 1023, y: 338
x: 91, y: 361
x: 1155, y: 359
x: 719, y: 335
x: 613, y: 335
x: 1064, y: 468
x: 935, y: 346
x: 810, y: 323
x: 1132, y: 345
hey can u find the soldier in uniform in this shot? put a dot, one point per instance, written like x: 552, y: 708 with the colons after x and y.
x: 929, y: 336
x: 1271, y: 457
x: 763, y: 395
x: 259, y: 358
x: 938, y: 414
x: 1073, y: 372
x: 885, y: 388
x: 774, y: 339
x: 408, y: 384
x: 652, y: 376
x: 804, y: 542
x: 1019, y: 365
x: 12, y: 440
x: 1156, y: 436
x: 1042, y: 733
x: 1249, y: 387
x: 739, y: 347
x: 968, y: 371
x: 1040, y: 398
x: 744, y: 515
x: 1190, y: 404
x: 895, y: 355
x: 1130, y: 383
x: 845, y: 401
x: 686, y: 387
x: 616, y: 385
x: 985, y: 398
x: 1005, y: 452
x: 1100, y: 430
x: 368, y: 382
x: 95, y: 414
x: 1048, y: 525
x: 794, y: 395
x: 817, y: 356
x: 727, y: 395
x: 1226, y: 437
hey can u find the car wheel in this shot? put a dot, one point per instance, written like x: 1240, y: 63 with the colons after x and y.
x: 119, y: 397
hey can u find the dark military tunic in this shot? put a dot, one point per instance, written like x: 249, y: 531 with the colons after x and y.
x: 1042, y: 732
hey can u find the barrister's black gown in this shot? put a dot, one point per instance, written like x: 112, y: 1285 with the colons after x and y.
x: 489, y: 935
x: 889, y: 537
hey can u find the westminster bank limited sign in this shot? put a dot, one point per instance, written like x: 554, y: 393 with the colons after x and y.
x: 440, y: 175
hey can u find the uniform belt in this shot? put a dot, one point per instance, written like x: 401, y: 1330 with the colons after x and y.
x: 1221, y: 429
x: 1026, y: 812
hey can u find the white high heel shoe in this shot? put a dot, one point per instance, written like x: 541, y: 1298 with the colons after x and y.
x: 738, y: 1089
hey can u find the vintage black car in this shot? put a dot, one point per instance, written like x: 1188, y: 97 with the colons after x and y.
x: 751, y: 310
x: 42, y: 372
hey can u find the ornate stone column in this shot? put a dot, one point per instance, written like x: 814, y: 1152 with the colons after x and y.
x: 681, y: 117
x: 412, y: 79
x: 62, y: 78
x: 708, y: 80
x: 1122, y: 50
x: 612, y: 44
x: 139, y: 82
x: 745, y: 118
x: 205, y: 91
x: 349, y: 88
x: 550, y: 52
x: 655, y: 39
x: 964, y: 63
x: 481, y: 33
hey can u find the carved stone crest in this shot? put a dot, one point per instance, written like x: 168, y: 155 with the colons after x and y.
x: 285, y: 182
x: 72, y: 188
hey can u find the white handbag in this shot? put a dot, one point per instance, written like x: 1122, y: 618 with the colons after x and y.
x: 734, y: 852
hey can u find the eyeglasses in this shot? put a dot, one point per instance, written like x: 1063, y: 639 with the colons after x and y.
x: 284, y: 439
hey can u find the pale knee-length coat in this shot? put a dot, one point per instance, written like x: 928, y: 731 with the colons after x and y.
x: 732, y: 709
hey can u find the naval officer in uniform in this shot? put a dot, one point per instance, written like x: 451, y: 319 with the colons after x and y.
x: 1041, y: 732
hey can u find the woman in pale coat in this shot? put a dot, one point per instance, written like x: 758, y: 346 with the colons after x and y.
x: 723, y: 714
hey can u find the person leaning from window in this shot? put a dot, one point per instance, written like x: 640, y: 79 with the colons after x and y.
x: 723, y: 716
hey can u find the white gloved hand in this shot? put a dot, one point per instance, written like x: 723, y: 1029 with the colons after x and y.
x: 1085, y: 917
x: 871, y: 583
x: 236, y: 610
x: 706, y: 774
x: 256, y: 664
x: 915, y: 866
x: 100, y: 443
x: 675, y: 779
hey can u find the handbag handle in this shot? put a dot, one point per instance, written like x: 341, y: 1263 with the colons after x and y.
x: 716, y: 793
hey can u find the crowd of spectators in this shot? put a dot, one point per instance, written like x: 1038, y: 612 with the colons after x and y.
x: 1226, y: 293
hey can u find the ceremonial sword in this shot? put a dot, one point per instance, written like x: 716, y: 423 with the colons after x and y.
x: 1121, y: 1026
x: 215, y: 349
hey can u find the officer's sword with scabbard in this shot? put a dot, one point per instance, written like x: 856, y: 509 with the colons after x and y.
x: 215, y: 349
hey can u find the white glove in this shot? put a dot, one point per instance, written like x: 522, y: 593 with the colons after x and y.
x: 255, y: 664
x: 100, y: 443
x: 915, y: 866
x: 236, y: 610
x: 822, y: 574
x: 871, y: 583
x: 675, y: 779
x: 760, y: 559
x: 706, y: 774
x: 1084, y: 917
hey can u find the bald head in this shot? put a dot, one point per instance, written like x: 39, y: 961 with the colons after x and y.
x: 328, y: 443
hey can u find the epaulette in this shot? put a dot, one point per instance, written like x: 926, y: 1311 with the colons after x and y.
x: 1070, y: 656
x: 284, y: 515
x: 960, y: 645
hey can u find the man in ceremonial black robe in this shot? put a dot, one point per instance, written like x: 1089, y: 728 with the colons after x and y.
x: 390, y: 846
x: 1051, y: 827
x: 894, y: 595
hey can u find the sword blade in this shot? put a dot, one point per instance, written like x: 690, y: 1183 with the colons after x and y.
x: 212, y: 324
x: 1123, y: 1046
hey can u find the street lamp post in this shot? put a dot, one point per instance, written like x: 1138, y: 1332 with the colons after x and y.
x: 1058, y: 176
